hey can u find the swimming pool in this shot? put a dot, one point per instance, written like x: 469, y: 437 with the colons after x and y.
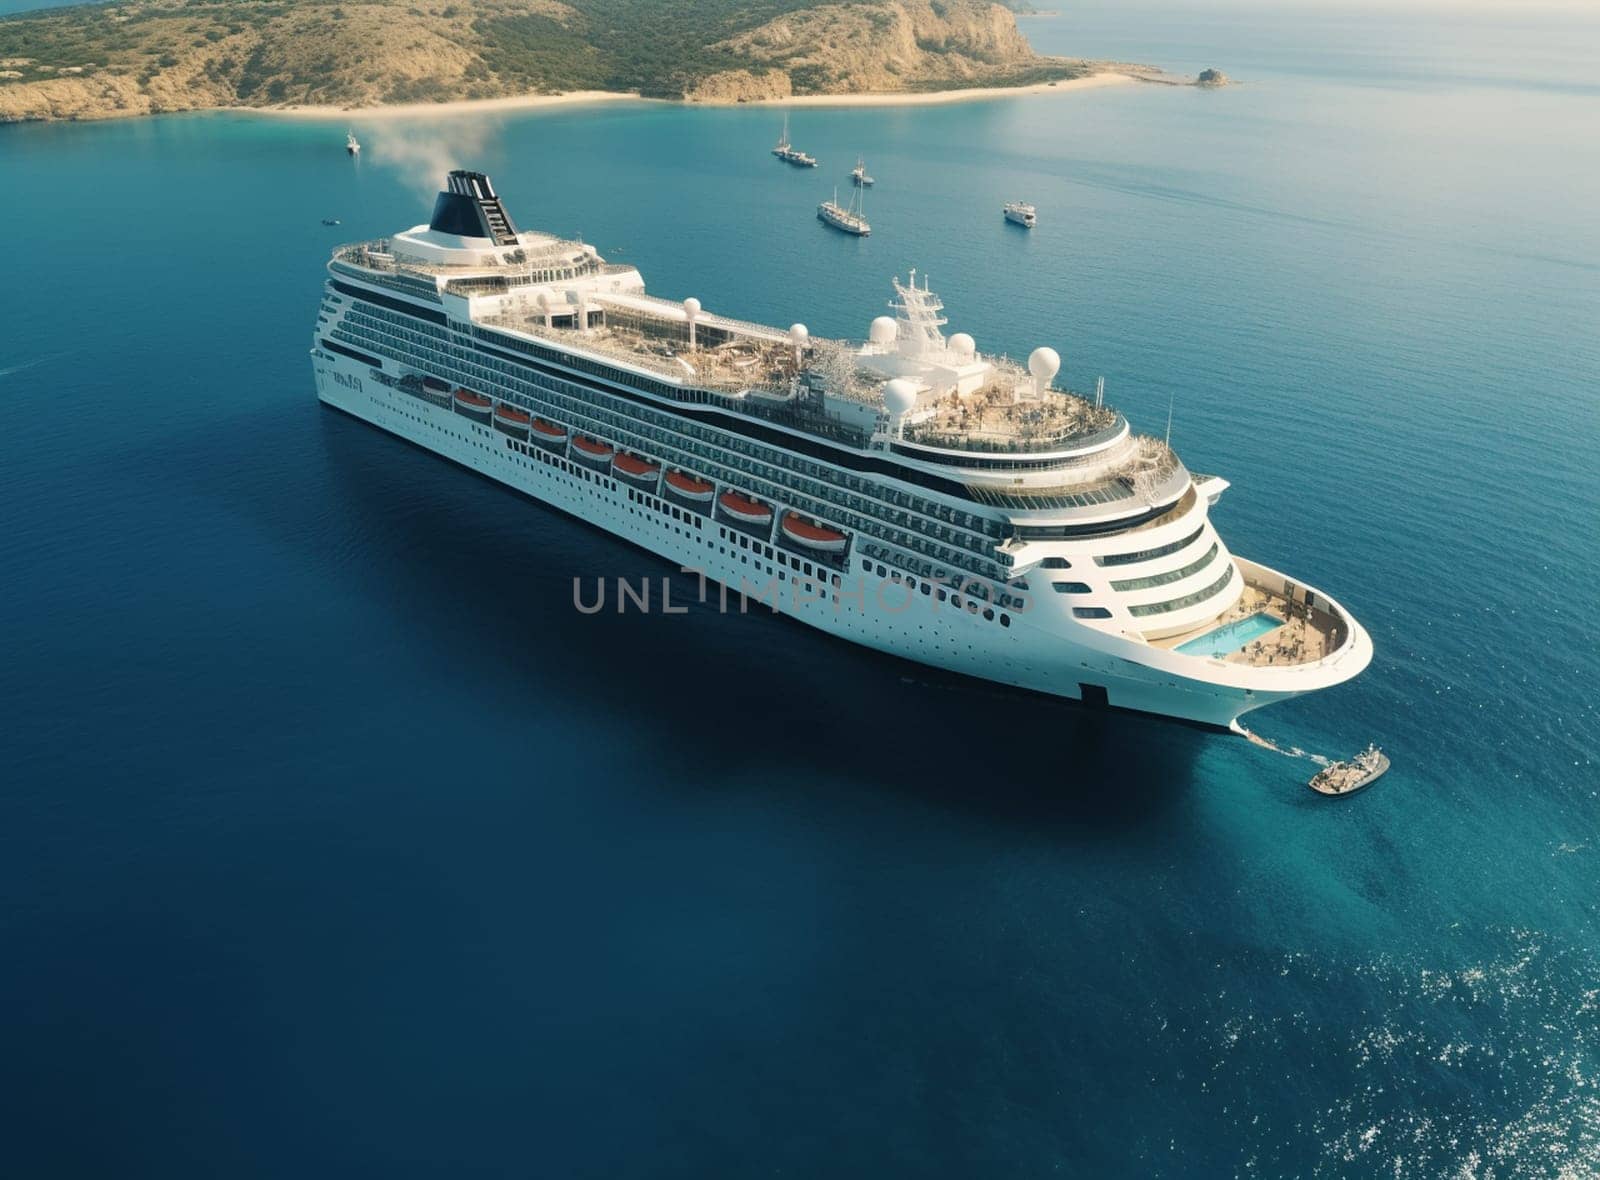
x: 1230, y: 637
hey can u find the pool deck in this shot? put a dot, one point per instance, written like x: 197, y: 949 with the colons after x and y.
x: 1306, y: 636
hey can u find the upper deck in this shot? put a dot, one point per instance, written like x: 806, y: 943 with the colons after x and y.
x: 932, y: 402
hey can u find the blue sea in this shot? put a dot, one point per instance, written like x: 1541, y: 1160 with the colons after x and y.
x: 335, y: 842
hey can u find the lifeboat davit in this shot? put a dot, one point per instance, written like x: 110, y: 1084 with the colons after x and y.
x: 689, y: 487
x: 745, y: 510
x: 473, y: 405
x: 548, y: 431
x: 813, y: 535
x: 635, y: 467
x: 591, y: 448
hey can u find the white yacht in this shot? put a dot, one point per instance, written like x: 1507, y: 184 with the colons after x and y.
x: 906, y: 492
x: 1021, y: 213
x: 350, y: 145
x: 858, y: 174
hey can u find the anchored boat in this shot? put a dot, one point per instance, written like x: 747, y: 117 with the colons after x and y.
x: 849, y: 220
x: 1021, y: 213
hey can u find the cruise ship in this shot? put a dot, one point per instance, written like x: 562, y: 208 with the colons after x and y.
x: 905, y: 492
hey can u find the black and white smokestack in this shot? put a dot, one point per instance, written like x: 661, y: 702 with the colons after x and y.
x: 469, y: 208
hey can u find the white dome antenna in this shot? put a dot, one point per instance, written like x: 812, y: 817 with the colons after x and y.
x: 691, y: 311
x: 798, y: 335
x: 963, y: 346
x: 1044, y: 364
x: 883, y: 331
x: 899, y: 396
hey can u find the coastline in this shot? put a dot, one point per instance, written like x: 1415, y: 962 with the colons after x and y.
x: 531, y: 102
x: 939, y: 97
x: 443, y: 110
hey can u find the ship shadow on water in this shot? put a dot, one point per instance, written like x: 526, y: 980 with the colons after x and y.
x: 426, y: 538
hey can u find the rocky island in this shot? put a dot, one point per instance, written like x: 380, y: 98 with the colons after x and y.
x: 152, y: 56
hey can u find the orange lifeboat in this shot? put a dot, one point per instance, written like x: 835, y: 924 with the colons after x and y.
x: 745, y: 510
x: 591, y: 448
x: 689, y: 487
x: 510, y: 420
x: 635, y: 467
x: 813, y: 535
x: 474, y: 405
x: 548, y: 432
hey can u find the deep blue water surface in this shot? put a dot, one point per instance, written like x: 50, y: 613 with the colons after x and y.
x: 334, y: 842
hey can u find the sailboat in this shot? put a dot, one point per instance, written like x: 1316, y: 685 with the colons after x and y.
x: 851, y: 221
x: 858, y: 174
x: 790, y: 154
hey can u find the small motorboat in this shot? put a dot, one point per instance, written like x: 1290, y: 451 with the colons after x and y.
x: 1346, y: 778
x: 330, y: 221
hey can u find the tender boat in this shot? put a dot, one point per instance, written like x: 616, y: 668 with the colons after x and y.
x: 548, y: 432
x: 1346, y: 778
x: 635, y: 468
x: 511, y: 420
x: 474, y: 405
x: 745, y: 510
x: 1021, y: 213
x: 685, y: 485
x: 813, y: 535
x: 592, y: 448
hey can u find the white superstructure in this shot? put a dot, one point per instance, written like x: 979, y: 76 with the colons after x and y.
x: 1021, y: 213
x: 908, y: 493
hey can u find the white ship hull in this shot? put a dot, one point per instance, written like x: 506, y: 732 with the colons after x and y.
x: 878, y: 613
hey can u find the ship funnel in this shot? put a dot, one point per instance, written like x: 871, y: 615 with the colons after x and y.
x: 469, y: 208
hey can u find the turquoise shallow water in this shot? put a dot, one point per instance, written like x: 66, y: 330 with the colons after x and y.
x: 335, y: 842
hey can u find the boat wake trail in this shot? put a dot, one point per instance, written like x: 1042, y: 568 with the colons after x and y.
x: 1269, y: 744
x: 25, y: 365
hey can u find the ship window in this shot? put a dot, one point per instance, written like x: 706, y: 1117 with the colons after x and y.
x: 1090, y: 612
x: 988, y: 615
x: 1148, y: 554
x: 1069, y: 587
x: 943, y: 597
x: 1005, y: 620
x: 1056, y: 563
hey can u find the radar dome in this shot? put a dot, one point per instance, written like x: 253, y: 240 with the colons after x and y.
x: 691, y: 307
x: 899, y: 396
x: 798, y: 334
x: 963, y: 345
x: 884, y: 330
x: 1044, y: 364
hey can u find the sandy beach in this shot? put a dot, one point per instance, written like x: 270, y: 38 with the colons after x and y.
x: 936, y: 97
x: 529, y: 102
